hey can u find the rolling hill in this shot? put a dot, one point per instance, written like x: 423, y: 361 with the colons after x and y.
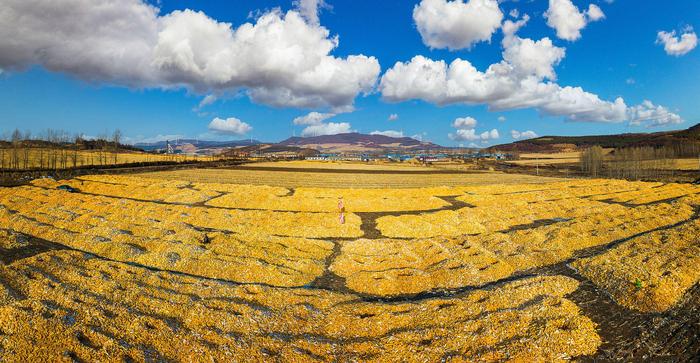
x: 356, y: 142
x: 571, y: 143
x: 201, y: 144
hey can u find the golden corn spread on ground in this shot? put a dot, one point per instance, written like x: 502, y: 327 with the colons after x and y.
x: 147, y: 268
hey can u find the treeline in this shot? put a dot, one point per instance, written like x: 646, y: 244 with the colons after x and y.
x: 687, y: 149
x: 57, y: 149
x: 52, y: 138
x: 640, y: 162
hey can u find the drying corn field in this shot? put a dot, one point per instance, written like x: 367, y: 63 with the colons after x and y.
x: 361, y: 265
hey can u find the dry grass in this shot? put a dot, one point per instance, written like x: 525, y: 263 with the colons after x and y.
x: 687, y: 164
x: 340, y: 165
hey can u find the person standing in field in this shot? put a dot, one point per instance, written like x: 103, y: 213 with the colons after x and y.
x: 341, y: 208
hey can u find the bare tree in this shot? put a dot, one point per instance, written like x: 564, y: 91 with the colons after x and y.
x: 116, y: 140
x: 591, y: 161
x: 77, y: 142
x: 642, y: 162
x: 16, y: 139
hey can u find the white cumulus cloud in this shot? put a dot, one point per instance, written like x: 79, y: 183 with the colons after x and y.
x: 330, y: 128
x: 229, y: 126
x: 466, y: 131
x: 312, y: 118
x: 393, y: 117
x: 523, y: 79
x: 472, y: 135
x: 522, y: 135
x: 282, y: 59
x: 456, y: 24
x: 464, y: 135
x: 390, y: 133
x: 677, y: 46
x: 309, y: 9
x: 490, y: 135
x: 564, y: 17
x: 464, y: 123
x: 652, y: 115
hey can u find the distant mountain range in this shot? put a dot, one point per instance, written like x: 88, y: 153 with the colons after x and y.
x: 349, y: 142
x: 356, y: 142
x: 570, y: 143
x: 200, y: 144
x: 362, y: 143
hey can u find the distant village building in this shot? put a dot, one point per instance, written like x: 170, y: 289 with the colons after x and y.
x: 286, y: 155
x: 399, y: 157
x: 432, y: 158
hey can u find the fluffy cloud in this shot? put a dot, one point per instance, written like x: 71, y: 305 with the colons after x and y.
x: 280, y: 60
x: 313, y: 118
x: 530, y: 57
x: 652, y: 115
x: 523, y: 79
x: 564, y: 17
x: 502, y: 118
x: 466, y: 131
x: 456, y: 24
x: 309, y: 9
x: 229, y: 126
x: 464, y: 123
x: 464, y: 135
x: 471, y: 135
x: 524, y: 135
x: 673, y: 45
x: 500, y: 87
x: 316, y: 125
x: 390, y: 133
x: 490, y: 135
x: 393, y: 117
x: 594, y: 13
x: 330, y: 128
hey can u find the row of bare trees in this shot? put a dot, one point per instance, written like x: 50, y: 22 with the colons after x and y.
x: 635, y: 162
x: 56, y: 149
x: 592, y: 161
x: 641, y: 162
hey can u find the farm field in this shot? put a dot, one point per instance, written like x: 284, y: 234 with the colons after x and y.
x: 686, y: 164
x: 44, y: 158
x: 363, y: 179
x: 572, y: 158
x: 257, y: 265
x: 340, y: 165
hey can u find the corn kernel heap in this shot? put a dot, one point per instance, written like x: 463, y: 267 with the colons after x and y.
x: 157, y: 269
x: 99, y: 310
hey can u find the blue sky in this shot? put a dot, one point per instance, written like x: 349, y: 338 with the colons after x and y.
x: 615, y: 56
